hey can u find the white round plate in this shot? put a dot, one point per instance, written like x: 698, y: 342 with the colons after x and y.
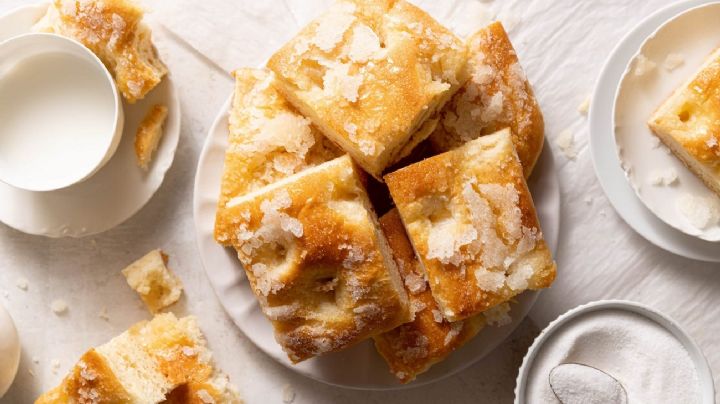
x: 694, y: 34
x: 705, y: 377
x: 368, y: 370
x: 110, y: 196
x: 603, y: 149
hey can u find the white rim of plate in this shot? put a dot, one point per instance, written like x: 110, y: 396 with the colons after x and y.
x: 604, y: 156
x: 630, y: 95
x: 705, y: 378
x: 155, y: 175
x: 228, y: 281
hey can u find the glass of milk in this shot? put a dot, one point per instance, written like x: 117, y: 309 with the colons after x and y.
x: 61, y: 116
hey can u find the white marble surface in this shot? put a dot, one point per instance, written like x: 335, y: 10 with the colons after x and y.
x: 562, y: 45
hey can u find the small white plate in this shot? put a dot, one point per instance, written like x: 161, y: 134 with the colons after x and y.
x: 603, y: 149
x: 694, y: 34
x: 115, y: 192
x: 704, y: 373
x: 368, y: 370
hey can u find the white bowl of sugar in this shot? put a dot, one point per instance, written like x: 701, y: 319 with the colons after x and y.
x: 647, y: 352
x: 61, y: 116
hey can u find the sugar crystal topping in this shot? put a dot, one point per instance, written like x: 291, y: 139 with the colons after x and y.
x: 455, y: 329
x: 332, y: 27
x: 494, y: 241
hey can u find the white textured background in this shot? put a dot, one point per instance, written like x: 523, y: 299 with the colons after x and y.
x: 561, y: 43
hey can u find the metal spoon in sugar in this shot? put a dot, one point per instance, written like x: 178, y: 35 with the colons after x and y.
x: 574, y: 383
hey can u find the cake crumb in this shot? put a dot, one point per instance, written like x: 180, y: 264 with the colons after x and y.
x: 588, y: 200
x: 59, y: 306
x: 664, y: 177
x: 22, y: 283
x: 288, y: 394
x: 36, y: 360
x: 584, y: 106
x: 643, y: 65
x: 673, y: 61
x: 31, y: 372
x: 565, y: 142
x: 701, y: 212
x: 103, y: 314
x: 54, y: 366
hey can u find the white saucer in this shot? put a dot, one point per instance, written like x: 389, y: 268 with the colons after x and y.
x: 367, y: 370
x: 603, y: 148
x: 114, y: 193
x: 705, y: 377
x: 694, y: 34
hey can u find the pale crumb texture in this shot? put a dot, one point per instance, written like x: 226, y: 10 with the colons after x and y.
x: 701, y: 212
x: 663, y: 177
x: 643, y: 66
x: 156, y: 284
x: 584, y: 106
x: 54, y: 365
x: 673, y: 61
x: 149, y: 133
x: 566, y: 142
x: 499, y: 315
x: 59, y: 306
x: 288, y: 394
x: 22, y: 283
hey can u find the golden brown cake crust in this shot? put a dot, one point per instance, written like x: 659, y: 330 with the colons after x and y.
x: 497, y: 95
x: 113, y: 30
x: 268, y: 139
x: 173, y: 349
x: 471, y: 219
x: 689, y: 122
x: 90, y: 382
x: 413, y: 347
x: 369, y: 73
x: 149, y: 133
x: 315, y: 259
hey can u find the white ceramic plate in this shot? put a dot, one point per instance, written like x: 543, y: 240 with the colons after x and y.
x: 707, y: 385
x: 694, y: 34
x: 110, y: 196
x: 367, y: 369
x: 603, y: 148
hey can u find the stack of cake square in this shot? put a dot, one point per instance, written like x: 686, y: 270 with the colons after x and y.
x: 354, y: 93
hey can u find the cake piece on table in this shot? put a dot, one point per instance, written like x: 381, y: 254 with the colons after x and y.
x: 411, y: 348
x: 316, y: 259
x: 115, y: 32
x: 471, y: 220
x: 369, y: 73
x: 689, y: 123
x: 156, y: 284
x: 165, y: 360
x: 269, y: 140
x: 149, y: 133
x: 497, y: 95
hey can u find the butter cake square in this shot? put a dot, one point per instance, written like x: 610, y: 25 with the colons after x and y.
x: 316, y: 259
x: 413, y: 347
x: 368, y: 74
x: 689, y: 123
x: 497, y: 95
x: 268, y: 138
x: 471, y: 220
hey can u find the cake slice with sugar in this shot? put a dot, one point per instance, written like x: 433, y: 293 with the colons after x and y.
x: 413, y: 347
x: 471, y: 220
x: 165, y: 360
x: 115, y: 32
x: 269, y: 140
x: 689, y: 123
x: 497, y: 95
x: 316, y: 259
x: 369, y: 73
